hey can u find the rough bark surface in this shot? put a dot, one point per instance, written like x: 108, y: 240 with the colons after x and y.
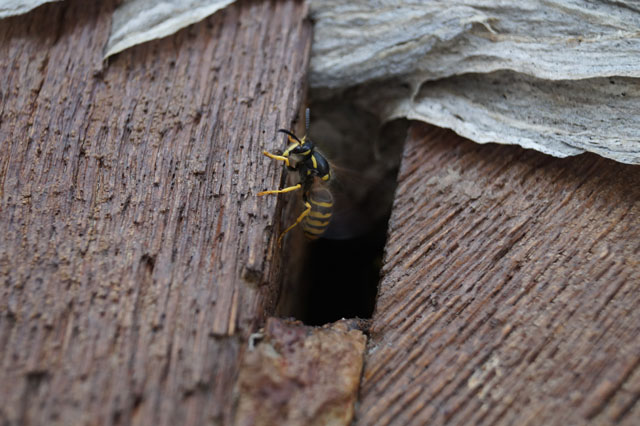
x: 135, y: 259
x: 510, y: 290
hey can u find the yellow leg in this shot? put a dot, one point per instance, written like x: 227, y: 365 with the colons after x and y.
x: 277, y: 157
x: 298, y: 220
x: 280, y: 191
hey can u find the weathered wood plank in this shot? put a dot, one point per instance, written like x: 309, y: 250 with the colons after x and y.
x: 510, y: 290
x: 135, y: 258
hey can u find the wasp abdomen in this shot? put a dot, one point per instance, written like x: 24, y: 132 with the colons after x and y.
x: 317, y: 221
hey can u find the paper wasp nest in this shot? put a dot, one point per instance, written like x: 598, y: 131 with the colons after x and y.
x: 558, y: 76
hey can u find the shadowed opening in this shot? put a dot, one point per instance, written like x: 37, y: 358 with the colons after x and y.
x: 340, y: 273
x: 342, y: 276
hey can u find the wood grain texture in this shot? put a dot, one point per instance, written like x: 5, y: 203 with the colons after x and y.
x: 135, y: 258
x: 510, y: 290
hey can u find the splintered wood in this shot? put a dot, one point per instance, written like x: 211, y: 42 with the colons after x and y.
x: 510, y: 290
x: 300, y: 375
x: 135, y: 258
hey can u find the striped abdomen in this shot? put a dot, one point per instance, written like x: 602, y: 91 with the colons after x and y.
x: 317, y: 221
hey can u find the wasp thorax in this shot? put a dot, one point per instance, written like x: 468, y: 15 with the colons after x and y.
x: 313, y: 170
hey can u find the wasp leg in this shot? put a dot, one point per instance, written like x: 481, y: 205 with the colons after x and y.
x: 298, y: 220
x: 280, y: 191
x: 277, y: 157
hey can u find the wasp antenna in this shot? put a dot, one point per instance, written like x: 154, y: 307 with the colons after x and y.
x: 291, y: 135
x: 307, y: 118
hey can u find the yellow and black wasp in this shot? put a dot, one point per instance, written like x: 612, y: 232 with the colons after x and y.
x: 314, y: 174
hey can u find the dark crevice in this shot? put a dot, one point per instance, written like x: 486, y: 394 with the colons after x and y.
x: 343, y: 276
x: 340, y: 272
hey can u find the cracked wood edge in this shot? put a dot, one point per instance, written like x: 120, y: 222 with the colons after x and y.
x: 301, y: 375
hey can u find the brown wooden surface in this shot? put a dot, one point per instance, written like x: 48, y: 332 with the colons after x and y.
x: 135, y: 258
x: 301, y: 375
x: 510, y: 290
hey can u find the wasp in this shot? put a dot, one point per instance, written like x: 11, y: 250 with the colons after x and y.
x: 314, y: 174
